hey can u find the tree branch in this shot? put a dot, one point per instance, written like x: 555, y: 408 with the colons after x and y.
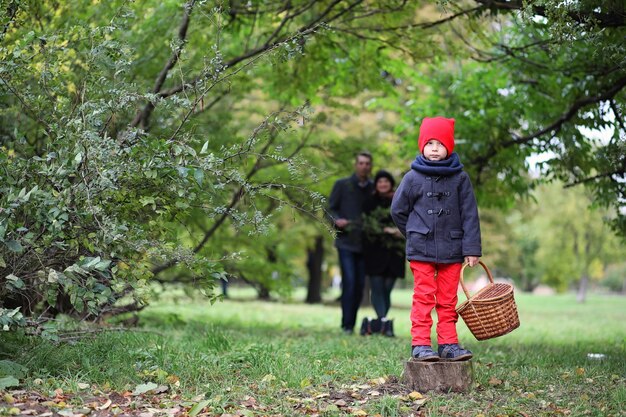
x: 614, y: 17
x: 616, y: 87
x: 11, y: 12
x: 267, y: 46
x: 141, y: 119
x: 621, y: 171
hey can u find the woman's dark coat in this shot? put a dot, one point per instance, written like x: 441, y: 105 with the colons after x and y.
x: 383, y: 252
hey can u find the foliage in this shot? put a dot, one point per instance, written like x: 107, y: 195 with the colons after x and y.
x: 574, y: 241
x: 90, y: 202
x: 561, y: 244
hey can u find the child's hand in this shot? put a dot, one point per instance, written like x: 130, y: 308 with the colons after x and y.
x: 471, y: 260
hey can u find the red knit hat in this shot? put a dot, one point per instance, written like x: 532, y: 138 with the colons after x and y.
x: 438, y: 128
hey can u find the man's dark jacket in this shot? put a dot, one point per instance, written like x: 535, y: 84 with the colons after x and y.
x: 435, y: 208
x: 346, y: 202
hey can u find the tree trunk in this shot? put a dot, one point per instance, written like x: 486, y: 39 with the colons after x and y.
x: 315, y: 258
x: 438, y: 376
x: 582, y: 289
x: 263, y: 293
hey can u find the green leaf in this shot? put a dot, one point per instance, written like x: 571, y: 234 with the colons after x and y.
x: 91, y: 262
x: 14, y: 246
x: 8, y: 381
x: 15, y: 282
x: 147, y: 200
x: 198, y: 407
x: 10, y: 368
x: 102, y: 265
x: 198, y: 175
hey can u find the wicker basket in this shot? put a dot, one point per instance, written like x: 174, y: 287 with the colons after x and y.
x: 491, y: 312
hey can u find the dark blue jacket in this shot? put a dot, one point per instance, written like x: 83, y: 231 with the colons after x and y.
x: 346, y: 201
x: 435, y: 208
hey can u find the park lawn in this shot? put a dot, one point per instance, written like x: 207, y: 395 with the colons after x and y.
x: 252, y: 358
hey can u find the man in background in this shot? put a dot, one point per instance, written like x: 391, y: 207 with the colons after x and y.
x: 345, y: 209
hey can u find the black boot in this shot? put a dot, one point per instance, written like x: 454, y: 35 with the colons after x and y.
x: 388, y: 328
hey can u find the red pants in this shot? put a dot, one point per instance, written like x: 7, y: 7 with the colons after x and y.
x: 435, y: 286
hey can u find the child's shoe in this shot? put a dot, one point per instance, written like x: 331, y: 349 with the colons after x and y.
x: 454, y: 352
x: 424, y: 354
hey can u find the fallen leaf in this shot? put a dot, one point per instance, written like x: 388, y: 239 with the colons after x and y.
x: 8, y: 398
x: 494, y: 381
x: 105, y: 405
x: 580, y: 371
x: 378, y: 381
x: 268, y: 378
x: 161, y: 389
x: 143, y: 388
x: 359, y: 413
x: 323, y: 395
x: 249, y: 402
x: 374, y: 393
x: 340, y: 403
x: 415, y: 395
x: 82, y: 385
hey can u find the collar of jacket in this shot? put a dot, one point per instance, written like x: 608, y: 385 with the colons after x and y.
x: 358, y: 183
x: 447, y: 167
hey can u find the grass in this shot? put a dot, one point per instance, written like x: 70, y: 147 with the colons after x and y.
x: 288, y: 355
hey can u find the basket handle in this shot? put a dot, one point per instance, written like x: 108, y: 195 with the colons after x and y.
x: 461, y: 277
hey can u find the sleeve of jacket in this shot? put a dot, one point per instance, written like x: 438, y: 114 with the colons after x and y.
x: 401, y: 205
x: 334, y: 202
x: 469, y: 216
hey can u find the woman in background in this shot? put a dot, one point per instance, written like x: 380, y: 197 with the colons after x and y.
x: 383, y: 250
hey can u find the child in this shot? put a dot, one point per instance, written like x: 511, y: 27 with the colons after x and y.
x: 435, y: 209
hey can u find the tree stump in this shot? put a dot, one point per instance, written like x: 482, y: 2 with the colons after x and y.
x: 439, y: 376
